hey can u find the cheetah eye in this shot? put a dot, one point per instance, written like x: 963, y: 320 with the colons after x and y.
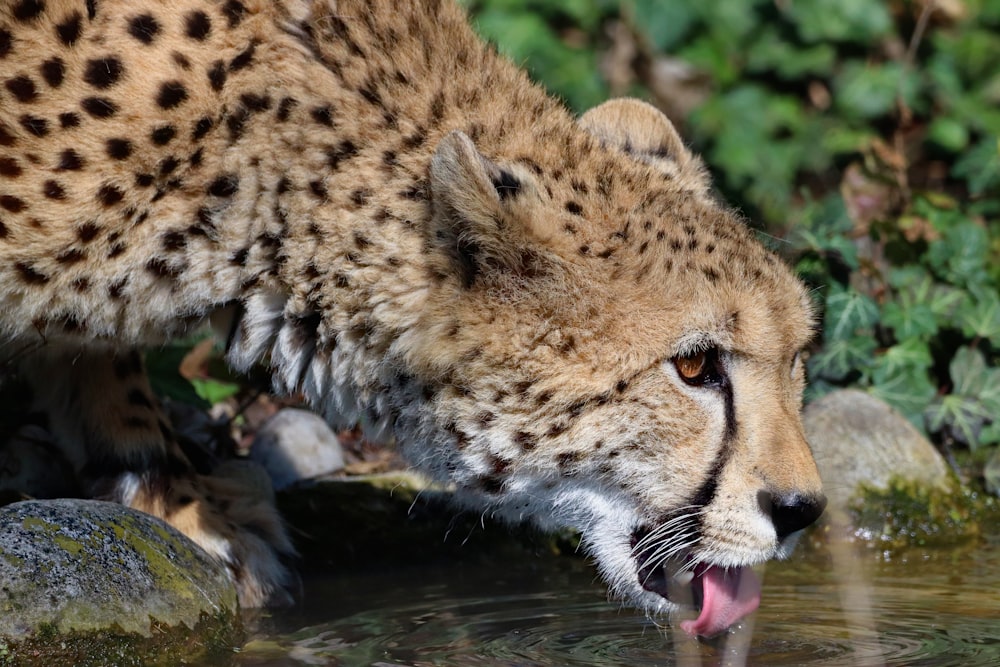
x: 692, y: 366
x: 700, y: 368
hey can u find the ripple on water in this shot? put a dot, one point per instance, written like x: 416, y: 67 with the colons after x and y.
x: 555, y: 615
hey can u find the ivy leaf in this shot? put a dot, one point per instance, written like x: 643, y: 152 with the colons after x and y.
x: 848, y: 314
x: 981, y: 316
x: 840, y: 357
x: 906, y: 387
x: 974, y: 402
x: 909, y: 320
x: 963, y: 415
x: 910, y: 354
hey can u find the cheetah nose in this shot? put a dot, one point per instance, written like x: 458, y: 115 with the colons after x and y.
x: 790, y: 512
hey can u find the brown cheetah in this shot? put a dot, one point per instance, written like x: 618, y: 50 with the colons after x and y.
x: 552, y: 314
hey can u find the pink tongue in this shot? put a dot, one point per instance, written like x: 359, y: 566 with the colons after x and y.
x: 729, y: 595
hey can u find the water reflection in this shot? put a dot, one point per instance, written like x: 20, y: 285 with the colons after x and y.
x: 925, y: 609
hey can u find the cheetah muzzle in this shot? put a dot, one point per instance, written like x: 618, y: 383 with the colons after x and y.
x: 552, y: 314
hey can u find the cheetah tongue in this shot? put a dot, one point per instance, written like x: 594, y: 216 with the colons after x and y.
x: 729, y: 594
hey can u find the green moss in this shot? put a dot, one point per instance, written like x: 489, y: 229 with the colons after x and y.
x: 909, y: 514
x: 213, y: 641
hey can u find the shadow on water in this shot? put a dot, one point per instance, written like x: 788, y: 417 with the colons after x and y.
x: 827, y: 606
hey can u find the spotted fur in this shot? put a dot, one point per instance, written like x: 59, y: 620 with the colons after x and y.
x: 415, y: 237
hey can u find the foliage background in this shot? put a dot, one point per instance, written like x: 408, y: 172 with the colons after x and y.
x: 861, y: 137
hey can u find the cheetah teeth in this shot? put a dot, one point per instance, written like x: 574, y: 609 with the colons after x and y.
x: 684, y: 578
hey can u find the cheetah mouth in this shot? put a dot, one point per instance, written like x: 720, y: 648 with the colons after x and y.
x: 721, y: 596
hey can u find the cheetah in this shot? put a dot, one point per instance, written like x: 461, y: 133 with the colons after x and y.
x: 554, y: 315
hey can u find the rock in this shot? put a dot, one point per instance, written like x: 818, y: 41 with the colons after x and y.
x: 88, y: 582
x: 295, y: 445
x: 857, y: 438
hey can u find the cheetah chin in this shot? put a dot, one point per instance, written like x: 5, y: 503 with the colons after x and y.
x: 658, y: 570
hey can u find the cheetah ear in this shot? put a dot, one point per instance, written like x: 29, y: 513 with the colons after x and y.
x: 472, y: 221
x: 644, y: 132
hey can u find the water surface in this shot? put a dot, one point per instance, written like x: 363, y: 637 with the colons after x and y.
x: 840, y: 606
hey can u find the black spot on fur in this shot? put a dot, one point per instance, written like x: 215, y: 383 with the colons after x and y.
x: 9, y: 167
x: 197, y: 25
x: 322, y: 115
x: 167, y: 166
x: 109, y: 195
x: 87, y: 232
x: 201, y: 128
x: 224, y: 186
x: 506, y: 185
x: 53, y: 190
x: 234, y: 12
x: 35, y: 125
x: 144, y: 28
x: 22, y: 88
x: 239, y: 258
x: 161, y: 136
x: 31, y: 275
x: 318, y: 188
x: 69, y: 30
x: 236, y: 122
x: 28, y: 10
x: 6, y: 43
x: 53, y: 71
x: 70, y: 160
x: 172, y: 94
x: 173, y: 240
x: 12, y: 203
x: 69, y: 119
x: 117, y: 288
x: 118, y: 149
x: 103, y: 73
x: 285, y: 107
x: 525, y: 441
x: 243, y: 59
x: 144, y: 180
x: 344, y: 151
x: 574, y: 208
x: 71, y: 256
x: 255, y: 102
x: 99, y: 107
x: 161, y: 268
x: 217, y: 75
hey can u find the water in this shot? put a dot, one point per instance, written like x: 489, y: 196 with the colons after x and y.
x: 828, y: 606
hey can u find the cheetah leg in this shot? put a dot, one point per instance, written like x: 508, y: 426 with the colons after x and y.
x: 129, y: 455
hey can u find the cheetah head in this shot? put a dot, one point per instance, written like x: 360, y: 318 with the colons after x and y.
x: 613, y: 351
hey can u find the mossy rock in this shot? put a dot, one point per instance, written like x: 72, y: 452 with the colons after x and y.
x: 84, y: 582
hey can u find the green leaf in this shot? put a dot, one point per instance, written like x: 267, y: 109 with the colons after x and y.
x: 663, y: 23
x: 908, y: 355
x: 963, y: 415
x: 214, y: 391
x: 909, y: 320
x: 848, y: 314
x: 907, y: 388
x: 980, y: 316
x: 960, y: 256
x: 840, y: 357
x: 839, y: 20
x: 980, y: 166
x: 867, y: 91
